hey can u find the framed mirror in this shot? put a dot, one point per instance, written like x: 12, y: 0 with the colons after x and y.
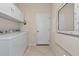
x: 68, y: 19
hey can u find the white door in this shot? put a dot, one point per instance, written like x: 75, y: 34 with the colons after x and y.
x: 43, y: 28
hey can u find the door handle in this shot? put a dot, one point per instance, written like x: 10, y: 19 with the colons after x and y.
x: 37, y: 31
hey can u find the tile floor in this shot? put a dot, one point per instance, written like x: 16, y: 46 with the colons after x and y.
x: 39, y: 51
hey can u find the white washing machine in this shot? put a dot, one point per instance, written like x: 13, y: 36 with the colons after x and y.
x: 13, y: 44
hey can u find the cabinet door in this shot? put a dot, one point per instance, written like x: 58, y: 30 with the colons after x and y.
x: 16, y: 48
x: 17, y: 13
x: 6, y: 8
x: 4, y: 47
x: 18, y: 45
x: 10, y: 11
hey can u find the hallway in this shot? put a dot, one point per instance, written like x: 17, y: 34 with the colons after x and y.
x: 39, y: 51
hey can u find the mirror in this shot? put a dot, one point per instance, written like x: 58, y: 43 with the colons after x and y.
x: 66, y: 18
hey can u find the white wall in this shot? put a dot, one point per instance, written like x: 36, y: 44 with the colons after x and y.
x: 7, y: 24
x: 30, y: 10
x: 69, y: 44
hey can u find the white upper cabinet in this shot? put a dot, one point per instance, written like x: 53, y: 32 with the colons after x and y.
x: 11, y: 12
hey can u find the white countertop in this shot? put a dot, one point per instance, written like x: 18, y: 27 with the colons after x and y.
x: 10, y: 35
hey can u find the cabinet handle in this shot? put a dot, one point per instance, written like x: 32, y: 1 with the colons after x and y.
x: 37, y: 30
x: 12, y: 9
